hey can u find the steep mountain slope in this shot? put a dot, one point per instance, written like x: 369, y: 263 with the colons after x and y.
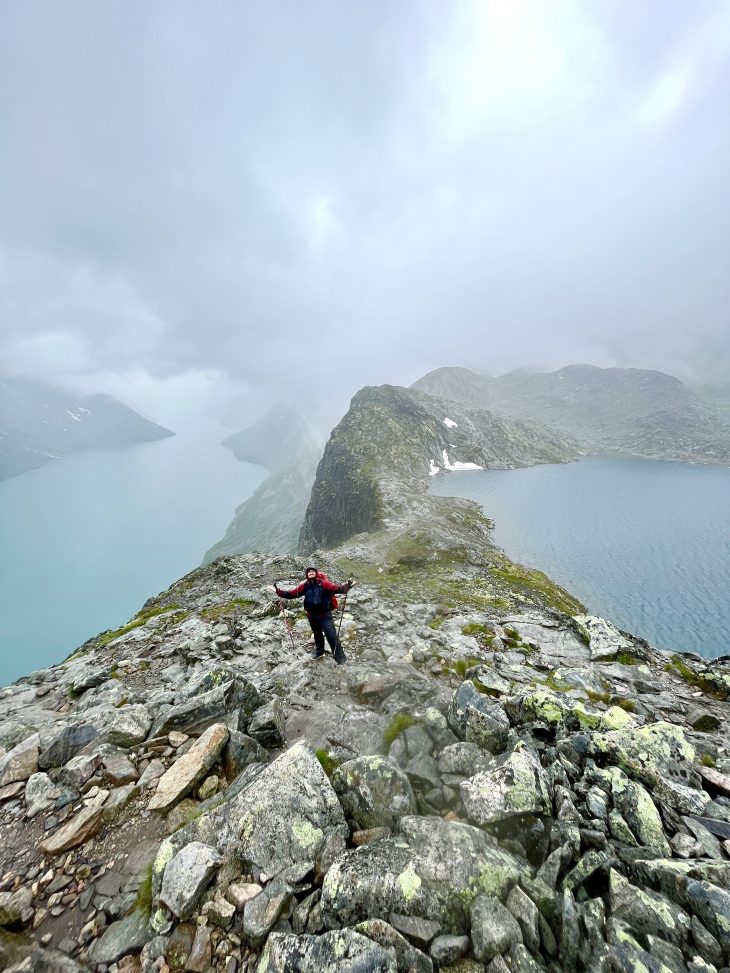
x: 377, y: 459
x: 630, y: 410
x: 39, y: 423
x: 270, y: 520
x: 495, y: 780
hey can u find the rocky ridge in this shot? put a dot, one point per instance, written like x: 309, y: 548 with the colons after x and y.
x: 496, y: 780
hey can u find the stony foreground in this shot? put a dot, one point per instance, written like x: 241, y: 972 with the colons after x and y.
x: 479, y: 789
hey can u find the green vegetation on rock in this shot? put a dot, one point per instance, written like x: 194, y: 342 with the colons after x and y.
x: 141, y: 618
x: 214, y: 612
x: 399, y: 723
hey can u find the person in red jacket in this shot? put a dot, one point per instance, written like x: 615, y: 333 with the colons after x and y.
x: 317, y: 591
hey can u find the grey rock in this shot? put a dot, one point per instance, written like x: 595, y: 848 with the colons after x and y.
x: 408, y: 958
x: 65, y: 744
x: 187, y: 876
x: 670, y: 956
x: 434, y: 870
x: 121, y: 938
x: 493, y: 928
x: 189, y: 769
x: 40, y: 793
x: 706, y: 944
x: 195, y: 715
x: 521, y: 961
x: 240, y: 752
x: 478, y: 719
x: 118, y: 768
x: 418, y: 931
x: 712, y: 905
x: 525, y: 912
x: 79, y: 769
x: 129, y: 726
x: 647, y: 911
x: 14, y: 906
x: 515, y: 785
x: 708, y: 842
x: 570, y: 937
x: 286, y: 814
x: 636, y: 807
x: 373, y: 791
x: 465, y: 759
x: 340, y: 951
x: 267, y: 725
x: 262, y: 912
x: 447, y: 949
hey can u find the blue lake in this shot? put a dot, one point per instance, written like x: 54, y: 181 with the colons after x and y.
x: 645, y: 544
x: 86, y: 540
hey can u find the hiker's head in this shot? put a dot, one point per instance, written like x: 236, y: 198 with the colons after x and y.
x: 310, y: 574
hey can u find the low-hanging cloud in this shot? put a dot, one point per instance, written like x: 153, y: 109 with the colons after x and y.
x: 302, y: 199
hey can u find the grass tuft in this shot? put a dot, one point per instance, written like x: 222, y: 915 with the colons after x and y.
x: 399, y: 723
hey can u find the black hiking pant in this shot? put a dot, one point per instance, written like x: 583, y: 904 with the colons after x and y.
x: 321, y: 627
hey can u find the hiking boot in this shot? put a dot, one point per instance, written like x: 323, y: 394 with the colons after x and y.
x: 340, y: 657
x: 317, y: 654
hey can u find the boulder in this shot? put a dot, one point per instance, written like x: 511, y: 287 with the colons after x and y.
x: 262, y: 912
x: 407, y: 956
x: 646, y: 911
x: 341, y: 951
x: 65, y: 744
x: 516, y: 784
x: 79, y: 769
x: 129, y: 726
x: 539, y: 705
x: 434, y: 870
x: 19, y: 763
x: 15, y: 907
x: 40, y: 793
x: 465, y: 759
x: 128, y: 935
x: 288, y: 814
x: 647, y: 753
x: 636, y: 807
x: 189, y: 769
x: 493, y: 928
x: 604, y: 640
x: 267, y: 725
x: 195, y: 715
x: 75, y: 831
x: 187, y: 876
x: 711, y: 905
x: 478, y: 719
x: 241, y: 751
x: 373, y: 791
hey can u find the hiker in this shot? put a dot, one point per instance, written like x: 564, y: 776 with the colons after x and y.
x: 318, y: 591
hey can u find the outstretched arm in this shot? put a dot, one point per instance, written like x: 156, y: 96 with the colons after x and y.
x: 292, y: 593
x: 337, y: 589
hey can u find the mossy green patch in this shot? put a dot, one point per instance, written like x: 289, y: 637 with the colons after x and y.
x: 483, y: 633
x: 328, y: 764
x: 707, y: 760
x: 627, y: 659
x: 679, y: 667
x: 213, y: 612
x: 141, y: 618
x: 535, y: 583
x: 399, y: 723
x: 144, y: 895
x: 596, y: 697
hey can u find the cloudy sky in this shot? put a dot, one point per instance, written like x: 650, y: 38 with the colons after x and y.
x: 235, y: 202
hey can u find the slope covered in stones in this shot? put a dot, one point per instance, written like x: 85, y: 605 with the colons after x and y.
x: 488, y: 784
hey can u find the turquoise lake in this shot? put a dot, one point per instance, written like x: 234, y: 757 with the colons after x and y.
x: 86, y: 540
x: 645, y: 544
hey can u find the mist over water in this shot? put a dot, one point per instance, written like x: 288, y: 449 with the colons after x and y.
x: 88, y: 539
x: 645, y: 544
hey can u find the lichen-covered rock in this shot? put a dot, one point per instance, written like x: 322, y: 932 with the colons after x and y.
x: 128, y: 935
x: 515, y: 784
x: 434, y: 870
x: 466, y: 759
x: 341, y: 951
x: 636, y: 807
x: 604, y: 640
x: 646, y: 911
x: 478, y: 719
x: 187, y: 876
x: 373, y: 791
x: 536, y: 705
x: 407, y: 956
x: 647, y: 753
x: 195, y: 715
x: 287, y: 815
x: 711, y: 904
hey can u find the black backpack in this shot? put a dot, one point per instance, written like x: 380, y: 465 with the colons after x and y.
x: 317, y: 601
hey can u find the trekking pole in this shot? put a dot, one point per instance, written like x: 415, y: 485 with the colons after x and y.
x: 286, y: 619
x: 342, y: 615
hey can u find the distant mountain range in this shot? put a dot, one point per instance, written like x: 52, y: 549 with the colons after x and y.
x: 605, y: 410
x: 40, y: 423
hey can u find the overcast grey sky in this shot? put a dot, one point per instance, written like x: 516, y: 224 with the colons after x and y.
x: 201, y: 201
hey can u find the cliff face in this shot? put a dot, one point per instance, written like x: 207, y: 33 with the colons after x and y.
x: 383, y: 448
x: 495, y: 780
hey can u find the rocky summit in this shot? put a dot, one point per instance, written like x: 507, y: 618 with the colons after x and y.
x: 496, y: 780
